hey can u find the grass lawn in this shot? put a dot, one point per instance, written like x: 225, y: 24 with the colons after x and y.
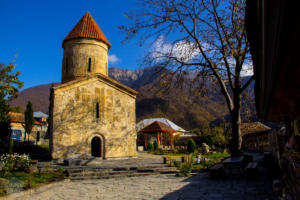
x: 22, y: 180
x: 211, y: 159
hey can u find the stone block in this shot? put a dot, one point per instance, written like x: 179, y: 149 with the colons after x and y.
x: 140, y: 148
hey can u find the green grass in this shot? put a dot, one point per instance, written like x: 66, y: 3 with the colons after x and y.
x: 28, y: 180
x: 212, y: 159
x: 216, y: 155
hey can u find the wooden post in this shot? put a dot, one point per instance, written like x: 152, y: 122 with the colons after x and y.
x: 157, y: 136
x: 171, y: 140
x: 146, y: 140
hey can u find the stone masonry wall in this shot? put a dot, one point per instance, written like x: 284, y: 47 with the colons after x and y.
x: 76, y: 58
x: 75, y: 122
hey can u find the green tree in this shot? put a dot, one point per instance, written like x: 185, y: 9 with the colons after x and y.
x: 150, y: 146
x: 5, y: 128
x: 191, y: 146
x: 16, y: 109
x: 50, y: 108
x: 9, y: 87
x: 29, y: 120
x: 203, y: 37
x: 9, y: 81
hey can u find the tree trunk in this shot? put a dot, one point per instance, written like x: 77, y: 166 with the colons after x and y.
x: 236, y: 123
x: 25, y: 136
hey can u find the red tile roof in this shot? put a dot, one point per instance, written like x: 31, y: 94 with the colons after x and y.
x: 253, y: 128
x: 157, y: 127
x: 19, y: 118
x: 87, y: 28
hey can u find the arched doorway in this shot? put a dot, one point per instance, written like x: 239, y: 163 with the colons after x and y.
x: 96, y: 146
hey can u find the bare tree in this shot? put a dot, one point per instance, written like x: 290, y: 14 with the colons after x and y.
x: 206, y: 37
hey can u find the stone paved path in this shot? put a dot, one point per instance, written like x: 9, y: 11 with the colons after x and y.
x: 154, y: 187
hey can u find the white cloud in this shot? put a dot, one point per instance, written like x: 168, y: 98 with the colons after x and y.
x: 187, y: 51
x: 113, y: 59
x: 182, y: 50
x: 247, y: 69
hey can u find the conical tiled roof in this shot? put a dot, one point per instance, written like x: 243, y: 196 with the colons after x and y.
x: 87, y: 28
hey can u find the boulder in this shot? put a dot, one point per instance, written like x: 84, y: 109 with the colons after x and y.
x: 204, y: 148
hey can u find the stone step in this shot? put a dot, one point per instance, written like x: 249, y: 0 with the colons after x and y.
x: 111, y: 172
x: 111, y: 176
x: 158, y: 169
x: 99, y: 173
x: 82, y: 169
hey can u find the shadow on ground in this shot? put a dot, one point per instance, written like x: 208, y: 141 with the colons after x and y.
x: 201, y: 187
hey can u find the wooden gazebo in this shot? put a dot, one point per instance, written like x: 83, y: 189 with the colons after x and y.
x: 159, y: 132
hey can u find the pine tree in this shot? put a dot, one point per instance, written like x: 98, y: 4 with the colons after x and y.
x: 29, y: 120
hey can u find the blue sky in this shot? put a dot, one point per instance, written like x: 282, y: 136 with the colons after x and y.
x: 35, y: 29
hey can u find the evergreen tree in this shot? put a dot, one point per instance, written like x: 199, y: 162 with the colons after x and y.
x: 29, y: 120
x: 5, y: 129
x: 191, y: 146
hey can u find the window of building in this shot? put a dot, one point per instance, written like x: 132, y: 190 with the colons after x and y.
x: 97, y: 110
x: 89, y: 67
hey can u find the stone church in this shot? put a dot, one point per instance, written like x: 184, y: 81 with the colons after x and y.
x: 91, y: 113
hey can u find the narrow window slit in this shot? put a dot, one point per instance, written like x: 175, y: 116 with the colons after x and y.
x: 89, y: 67
x: 97, y: 110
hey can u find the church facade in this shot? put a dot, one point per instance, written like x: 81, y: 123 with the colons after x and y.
x: 91, y: 113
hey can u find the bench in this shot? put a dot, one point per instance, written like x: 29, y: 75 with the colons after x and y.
x: 216, y: 171
x: 251, y: 170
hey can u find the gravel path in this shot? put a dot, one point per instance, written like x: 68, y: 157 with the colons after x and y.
x: 153, y: 187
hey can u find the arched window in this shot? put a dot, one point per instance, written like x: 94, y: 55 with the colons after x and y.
x: 89, y: 66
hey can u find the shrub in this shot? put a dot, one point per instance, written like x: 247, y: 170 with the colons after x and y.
x: 44, y: 146
x: 11, y: 146
x: 191, y: 146
x: 155, y: 146
x: 159, y: 151
x: 177, y: 164
x: 186, y: 169
x: 150, y: 146
x: 60, y: 169
x: 15, y: 161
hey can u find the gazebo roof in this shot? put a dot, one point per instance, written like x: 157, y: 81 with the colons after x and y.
x: 142, y: 124
x: 157, y: 126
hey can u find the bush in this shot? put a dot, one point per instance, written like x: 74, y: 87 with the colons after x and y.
x: 44, y: 146
x: 159, y: 151
x: 186, y: 169
x: 191, y: 146
x: 155, y: 146
x: 177, y: 164
x: 150, y: 146
x: 11, y: 146
x: 15, y: 162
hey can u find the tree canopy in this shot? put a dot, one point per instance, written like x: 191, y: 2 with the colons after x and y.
x: 200, y: 39
x: 9, y: 81
x: 9, y: 87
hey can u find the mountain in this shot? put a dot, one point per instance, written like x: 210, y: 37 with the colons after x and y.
x: 178, y: 103
x: 38, y: 95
